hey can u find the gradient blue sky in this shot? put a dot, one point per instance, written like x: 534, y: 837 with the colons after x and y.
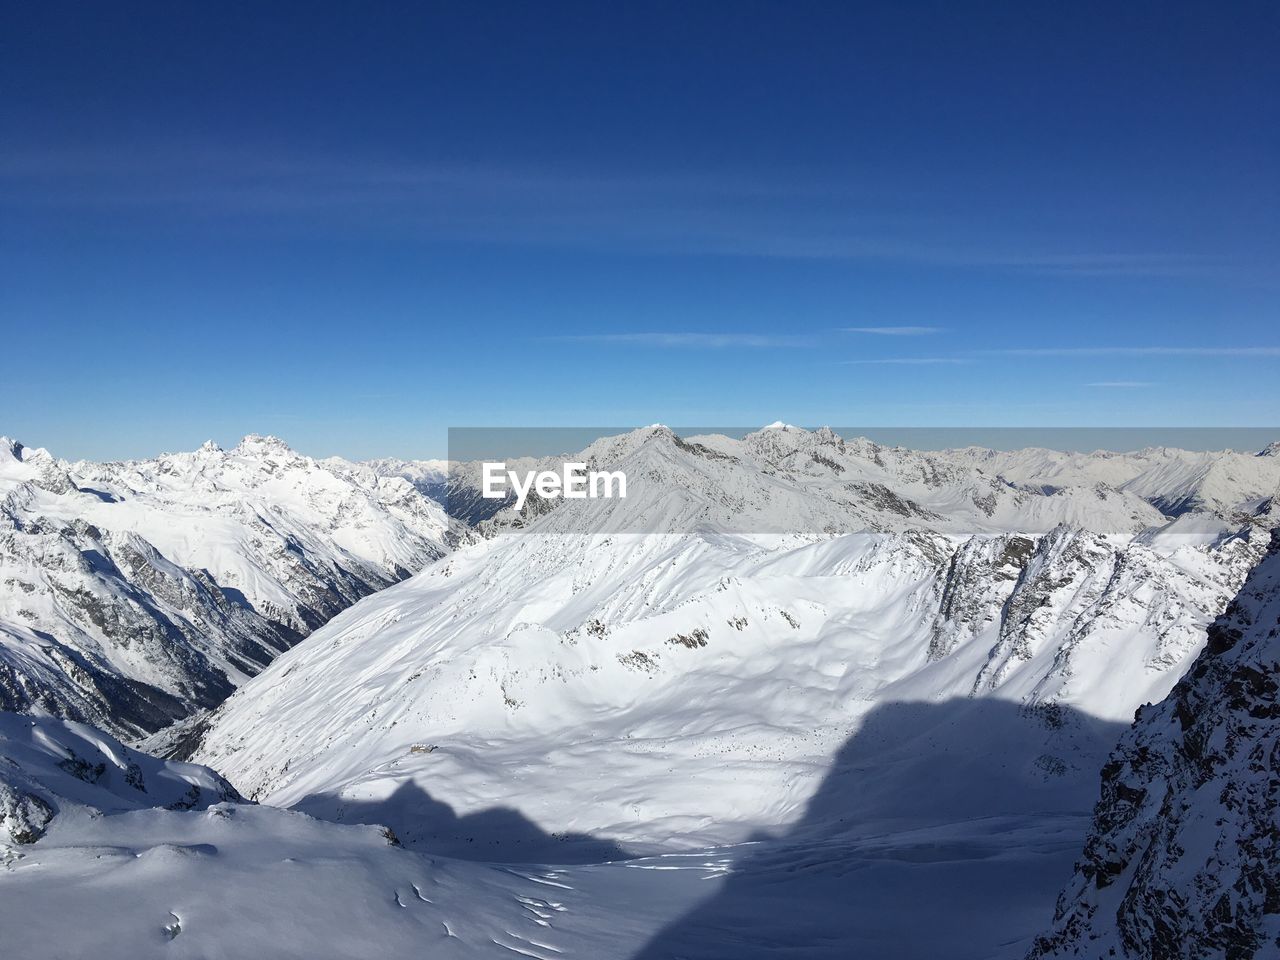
x: 355, y: 225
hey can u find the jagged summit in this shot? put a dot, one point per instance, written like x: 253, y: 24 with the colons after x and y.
x: 21, y: 452
x: 255, y: 443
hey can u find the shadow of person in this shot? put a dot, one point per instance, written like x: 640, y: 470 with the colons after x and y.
x: 497, y: 835
x: 941, y: 831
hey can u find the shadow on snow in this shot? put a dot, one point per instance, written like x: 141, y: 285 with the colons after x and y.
x: 941, y: 831
x: 499, y: 834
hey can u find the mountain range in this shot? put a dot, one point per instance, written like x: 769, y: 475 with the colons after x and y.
x: 137, y: 592
x: 790, y: 689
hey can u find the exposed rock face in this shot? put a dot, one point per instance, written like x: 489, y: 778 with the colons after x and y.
x: 23, y: 816
x: 1183, y: 859
x: 1068, y: 594
x: 962, y: 610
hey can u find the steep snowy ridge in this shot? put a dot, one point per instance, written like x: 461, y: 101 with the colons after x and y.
x: 1181, y: 860
x: 134, y: 593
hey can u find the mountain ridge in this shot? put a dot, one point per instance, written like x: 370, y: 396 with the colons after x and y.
x: 138, y: 591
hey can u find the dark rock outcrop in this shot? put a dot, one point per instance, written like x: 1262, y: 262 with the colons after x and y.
x: 1183, y: 857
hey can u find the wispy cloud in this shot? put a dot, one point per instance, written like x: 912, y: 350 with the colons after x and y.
x: 894, y: 331
x: 701, y: 340
x: 1121, y: 384
x: 668, y: 213
x: 1107, y: 263
x: 1148, y: 351
x: 910, y: 361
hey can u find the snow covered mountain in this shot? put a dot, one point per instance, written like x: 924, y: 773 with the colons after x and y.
x: 429, y: 477
x: 1183, y: 857
x: 863, y: 483
x: 1175, y: 481
x: 707, y: 677
x: 133, y: 593
x: 788, y: 692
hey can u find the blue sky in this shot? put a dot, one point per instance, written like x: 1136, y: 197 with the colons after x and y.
x: 357, y: 225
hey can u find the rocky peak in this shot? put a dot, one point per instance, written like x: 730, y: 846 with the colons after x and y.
x: 1183, y: 858
x: 254, y: 443
x: 33, y: 465
x: 24, y: 454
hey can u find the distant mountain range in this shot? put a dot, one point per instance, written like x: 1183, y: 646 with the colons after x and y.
x: 134, y: 593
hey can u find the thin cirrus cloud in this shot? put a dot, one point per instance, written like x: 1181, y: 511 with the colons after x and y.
x: 673, y: 213
x: 910, y: 361
x: 1149, y: 351
x: 894, y: 331
x: 696, y: 340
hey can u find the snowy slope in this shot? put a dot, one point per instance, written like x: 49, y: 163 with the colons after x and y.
x: 130, y: 863
x: 110, y: 853
x: 794, y: 696
x: 50, y: 767
x: 706, y: 679
x: 131, y: 866
x: 1183, y: 856
x: 132, y: 593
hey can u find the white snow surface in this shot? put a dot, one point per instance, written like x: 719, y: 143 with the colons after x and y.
x: 132, y: 865
x: 877, y: 736
x: 857, y: 723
